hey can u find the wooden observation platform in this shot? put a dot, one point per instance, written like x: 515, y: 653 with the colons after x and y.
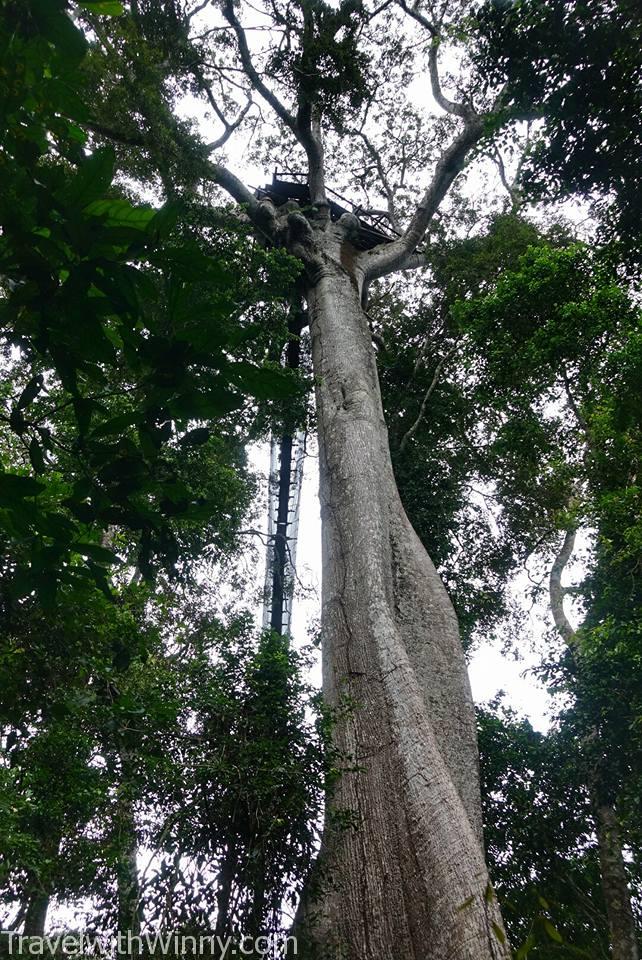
x: 373, y: 228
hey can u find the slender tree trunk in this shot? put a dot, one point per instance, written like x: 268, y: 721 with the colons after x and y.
x: 128, y: 886
x: 615, y: 885
x: 36, y: 915
x: 39, y: 897
x: 613, y: 876
x: 127, y: 878
x: 225, y: 880
x: 409, y: 881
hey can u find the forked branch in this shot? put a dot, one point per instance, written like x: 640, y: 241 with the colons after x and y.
x: 252, y: 73
x: 386, y: 258
x: 305, y: 125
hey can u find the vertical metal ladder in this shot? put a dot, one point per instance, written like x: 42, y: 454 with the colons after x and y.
x: 287, y: 455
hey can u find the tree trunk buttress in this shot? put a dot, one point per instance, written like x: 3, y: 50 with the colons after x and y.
x: 615, y: 885
x: 409, y: 882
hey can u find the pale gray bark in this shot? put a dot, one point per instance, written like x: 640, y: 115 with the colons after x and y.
x: 36, y: 905
x: 410, y: 881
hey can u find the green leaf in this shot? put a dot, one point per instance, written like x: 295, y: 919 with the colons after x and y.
x: 30, y: 392
x: 553, y: 933
x: 264, y: 383
x: 116, y: 425
x: 95, y: 552
x: 66, y: 101
x: 525, y: 948
x: 165, y: 219
x: 499, y: 933
x: 108, y: 8
x: 36, y: 457
x: 15, y: 487
x: 58, y: 28
x: 204, y: 405
x: 121, y: 213
x: 188, y: 263
x: 92, y: 180
x: 196, y: 437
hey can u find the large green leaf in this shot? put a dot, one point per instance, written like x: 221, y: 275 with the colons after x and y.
x: 15, y: 487
x: 264, y: 383
x: 108, y: 8
x: 92, y: 180
x: 121, y: 213
x: 57, y: 27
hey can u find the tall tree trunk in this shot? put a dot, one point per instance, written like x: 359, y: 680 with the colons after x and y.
x: 615, y: 885
x: 409, y: 881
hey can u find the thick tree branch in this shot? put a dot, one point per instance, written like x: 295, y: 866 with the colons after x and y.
x: 450, y: 106
x: 197, y: 9
x: 557, y: 591
x: 573, y: 404
x: 217, y: 173
x: 229, y: 126
x: 305, y: 125
x: 513, y: 191
x: 214, y: 172
x: 387, y: 258
x: 252, y: 73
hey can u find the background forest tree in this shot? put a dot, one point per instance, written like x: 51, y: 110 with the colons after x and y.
x: 143, y: 345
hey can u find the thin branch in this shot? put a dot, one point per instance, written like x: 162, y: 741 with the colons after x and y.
x: 305, y: 126
x: 229, y: 126
x: 450, y: 106
x: 118, y: 136
x: 385, y: 183
x: 379, y: 9
x: 386, y: 258
x: 420, y: 18
x: 409, y: 434
x: 197, y: 9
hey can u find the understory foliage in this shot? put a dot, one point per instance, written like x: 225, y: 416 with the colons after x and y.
x: 136, y: 368
x: 162, y: 762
